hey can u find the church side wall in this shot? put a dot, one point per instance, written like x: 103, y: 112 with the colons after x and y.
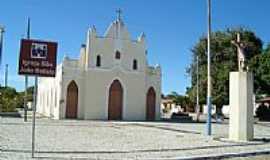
x: 48, y: 95
x: 46, y: 98
x: 57, y: 93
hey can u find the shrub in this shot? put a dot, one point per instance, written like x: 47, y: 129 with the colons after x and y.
x: 9, y: 99
x: 263, y: 113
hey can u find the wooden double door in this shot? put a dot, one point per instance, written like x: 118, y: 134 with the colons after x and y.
x: 150, y: 104
x: 72, y: 101
x: 115, y: 106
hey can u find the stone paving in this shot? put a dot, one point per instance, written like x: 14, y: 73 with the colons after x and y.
x: 82, y: 139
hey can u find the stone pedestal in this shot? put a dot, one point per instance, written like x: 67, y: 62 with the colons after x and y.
x: 241, y: 106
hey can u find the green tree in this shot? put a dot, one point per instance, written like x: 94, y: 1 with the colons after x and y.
x: 30, y: 92
x: 260, y: 66
x: 177, y: 99
x: 223, y: 60
x: 9, y: 99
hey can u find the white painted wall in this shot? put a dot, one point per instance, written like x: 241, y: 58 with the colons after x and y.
x: 94, y: 82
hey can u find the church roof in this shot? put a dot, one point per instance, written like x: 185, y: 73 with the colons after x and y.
x: 117, y: 30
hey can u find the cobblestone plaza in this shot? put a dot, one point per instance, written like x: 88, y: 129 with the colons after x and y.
x: 67, y: 139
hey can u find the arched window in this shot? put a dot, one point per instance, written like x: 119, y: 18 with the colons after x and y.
x: 117, y: 55
x: 135, y: 65
x: 98, y: 62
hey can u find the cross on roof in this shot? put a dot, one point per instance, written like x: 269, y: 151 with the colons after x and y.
x: 119, y: 12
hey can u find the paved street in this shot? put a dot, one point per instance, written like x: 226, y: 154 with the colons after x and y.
x: 67, y: 139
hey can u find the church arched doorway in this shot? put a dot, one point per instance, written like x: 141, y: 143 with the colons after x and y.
x: 72, y: 100
x: 150, y: 104
x: 115, y: 105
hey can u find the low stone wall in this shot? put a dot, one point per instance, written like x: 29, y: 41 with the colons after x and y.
x: 10, y: 114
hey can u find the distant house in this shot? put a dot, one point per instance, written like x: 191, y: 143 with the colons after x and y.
x: 265, y: 100
x: 168, y: 107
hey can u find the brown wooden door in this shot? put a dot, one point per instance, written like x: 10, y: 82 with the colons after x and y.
x: 72, y: 100
x: 115, y: 101
x: 151, y: 104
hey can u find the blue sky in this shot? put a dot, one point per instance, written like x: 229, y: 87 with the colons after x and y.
x: 172, y: 28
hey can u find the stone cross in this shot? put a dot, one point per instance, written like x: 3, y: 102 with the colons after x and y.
x: 240, y: 53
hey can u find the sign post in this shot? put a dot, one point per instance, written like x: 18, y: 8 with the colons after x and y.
x: 26, y: 78
x: 37, y: 58
x: 34, y: 117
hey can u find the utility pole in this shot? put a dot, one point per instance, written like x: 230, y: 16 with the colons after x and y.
x: 209, y: 98
x: 197, y: 101
x: 6, y: 76
x: 2, y: 30
x: 26, y: 78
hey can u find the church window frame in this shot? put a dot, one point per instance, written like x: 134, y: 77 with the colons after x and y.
x: 117, y: 55
x: 98, y: 61
x: 135, y: 64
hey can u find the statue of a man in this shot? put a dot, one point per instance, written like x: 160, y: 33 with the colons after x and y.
x: 240, y: 53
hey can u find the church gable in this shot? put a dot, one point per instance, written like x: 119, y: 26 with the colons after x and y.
x: 117, y: 30
x: 116, y: 49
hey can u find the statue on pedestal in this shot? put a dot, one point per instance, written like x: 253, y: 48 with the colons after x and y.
x: 240, y: 53
x: 241, y: 101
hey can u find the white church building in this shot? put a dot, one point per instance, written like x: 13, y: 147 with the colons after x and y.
x: 111, y: 80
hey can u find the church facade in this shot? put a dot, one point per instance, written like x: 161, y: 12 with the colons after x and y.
x: 111, y: 80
